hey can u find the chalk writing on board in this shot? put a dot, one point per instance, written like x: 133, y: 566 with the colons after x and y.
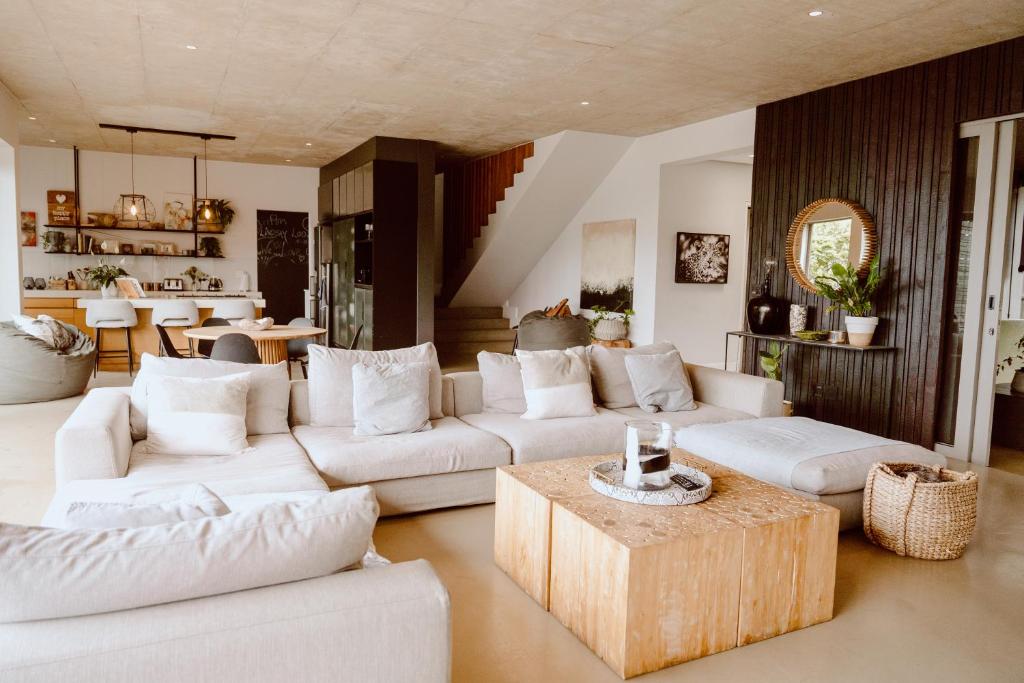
x: 282, y: 235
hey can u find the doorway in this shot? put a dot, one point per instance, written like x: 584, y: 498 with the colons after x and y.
x: 986, y: 287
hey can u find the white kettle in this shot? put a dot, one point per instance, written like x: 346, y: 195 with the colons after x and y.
x: 244, y: 281
x: 647, y: 462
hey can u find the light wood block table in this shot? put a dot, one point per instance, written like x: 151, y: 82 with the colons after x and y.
x: 646, y: 587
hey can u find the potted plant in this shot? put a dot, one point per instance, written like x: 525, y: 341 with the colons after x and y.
x: 849, y: 291
x: 194, y: 275
x: 104, y: 277
x: 1015, y: 359
x: 611, y: 325
x: 771, y: 364
x: 221, y: 213
x: 210, y: 247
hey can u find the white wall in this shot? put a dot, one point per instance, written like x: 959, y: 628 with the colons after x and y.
x: 707, y: 197
x: 104, y: 176
x: 632, y: 190
x: 10, y: 229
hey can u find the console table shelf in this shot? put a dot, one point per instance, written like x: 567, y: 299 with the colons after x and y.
x: 790, y: 339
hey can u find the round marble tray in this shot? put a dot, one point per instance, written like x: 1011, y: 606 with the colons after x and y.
x: 606, y: 479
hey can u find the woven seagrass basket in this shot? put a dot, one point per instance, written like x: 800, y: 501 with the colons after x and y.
x: 914, y: 518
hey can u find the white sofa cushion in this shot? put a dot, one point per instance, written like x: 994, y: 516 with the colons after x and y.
x: 556, y: 384
x: 52, y: 573
x: 502, y: 379
x: 99, y: 515
x: 266, y: 403
x: 344, y: 459
x: 659, y: 382
x: 608, y: 367
x: 330, y: 380
x: 393, y: 398
x: 197, y: 416
x: 566, y: 437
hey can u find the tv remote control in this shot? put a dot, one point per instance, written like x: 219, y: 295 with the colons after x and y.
x: 685, y: 482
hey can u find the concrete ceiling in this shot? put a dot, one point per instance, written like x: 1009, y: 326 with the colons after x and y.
x: 476, y: 75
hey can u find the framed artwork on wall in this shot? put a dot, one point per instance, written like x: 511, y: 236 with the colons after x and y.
x: 606, y: 268
x: 702, y: 258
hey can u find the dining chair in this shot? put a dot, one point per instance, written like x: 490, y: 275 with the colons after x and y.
x: 237, y: 348
x: 355, y: 340
x: 205, y: 346
x: 166, y: 345
x: 298, y: 349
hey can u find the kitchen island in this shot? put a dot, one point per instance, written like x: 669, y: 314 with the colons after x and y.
x: 70, y: 306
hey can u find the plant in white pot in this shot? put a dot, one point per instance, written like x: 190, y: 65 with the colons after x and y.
x: 847, y: 290
x: 611, y: 325
x: 104, y: 277
x: 1015, y: 360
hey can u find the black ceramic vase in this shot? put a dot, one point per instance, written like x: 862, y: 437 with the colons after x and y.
x: 765, y: 313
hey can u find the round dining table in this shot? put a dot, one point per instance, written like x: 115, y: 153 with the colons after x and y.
x: 271, y: 343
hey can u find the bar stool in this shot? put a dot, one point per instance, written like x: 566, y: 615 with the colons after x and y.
x: 233, y: 311
x: 176, y: 313
x: 112, y: 314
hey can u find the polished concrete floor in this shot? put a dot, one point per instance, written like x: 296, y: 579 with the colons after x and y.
x: 896, y: 619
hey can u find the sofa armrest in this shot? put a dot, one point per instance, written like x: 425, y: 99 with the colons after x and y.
x: 468, y: 390
x: 390, y: 623
x: 758, y: 396
x: 96, y: 440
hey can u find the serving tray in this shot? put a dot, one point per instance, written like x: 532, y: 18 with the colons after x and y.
x: 606, y: 479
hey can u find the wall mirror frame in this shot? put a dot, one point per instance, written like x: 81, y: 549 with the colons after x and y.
x: 832, y: 211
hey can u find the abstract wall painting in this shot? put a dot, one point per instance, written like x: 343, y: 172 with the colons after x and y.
x: 606, y: 270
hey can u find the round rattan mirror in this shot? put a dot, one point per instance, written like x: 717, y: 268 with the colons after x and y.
x: 828, y: 231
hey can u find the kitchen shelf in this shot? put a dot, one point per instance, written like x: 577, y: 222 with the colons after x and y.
x: 100, y: 227
x: 75, y: 253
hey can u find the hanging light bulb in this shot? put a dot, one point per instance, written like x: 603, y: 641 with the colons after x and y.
x: 207, y: 214
x: 134, y: 210
x: 133, y: 207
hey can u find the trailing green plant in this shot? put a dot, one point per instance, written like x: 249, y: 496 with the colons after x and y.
x: 1015, y: 360
x: 620, y: 312
x: 771, y: 360
x: 848, y: 290
x: 104, y: 275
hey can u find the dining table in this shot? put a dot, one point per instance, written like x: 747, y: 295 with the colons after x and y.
x: 271, y: 343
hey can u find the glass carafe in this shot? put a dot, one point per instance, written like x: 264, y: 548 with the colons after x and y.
x: 646, y: 463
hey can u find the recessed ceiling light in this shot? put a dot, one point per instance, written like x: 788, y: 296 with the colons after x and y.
x: 584, y: 103
x: 31, y: 118
x: 751, y: 156
x: 191, y: 47
x: 815, y: 13
x: 52, y: 140
x: 288, y: 161
x: 309, y: 144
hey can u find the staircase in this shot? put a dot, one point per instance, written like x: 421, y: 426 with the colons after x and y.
x: 461, y: 333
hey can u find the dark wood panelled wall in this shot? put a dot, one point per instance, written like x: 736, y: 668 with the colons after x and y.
x: 887, y: 142
x: 471, y: 193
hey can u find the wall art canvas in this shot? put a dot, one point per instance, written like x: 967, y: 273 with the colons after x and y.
x: 28, y: 229
x: 177, y: 211
x: 702, y: 258
x: 606, y: 270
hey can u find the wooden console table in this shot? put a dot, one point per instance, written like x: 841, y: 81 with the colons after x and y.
x: 790, y: 339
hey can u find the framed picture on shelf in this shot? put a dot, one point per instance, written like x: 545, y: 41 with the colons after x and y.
x: 28, y: 228
x: 165, y: 249
x: 128, y: 249
x: 177, y: 211
x: 148, y: 248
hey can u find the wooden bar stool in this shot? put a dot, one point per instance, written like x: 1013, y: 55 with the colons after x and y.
x: 112, y: 314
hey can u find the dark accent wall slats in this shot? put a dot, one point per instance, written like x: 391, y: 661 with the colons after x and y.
x: 887, y: 142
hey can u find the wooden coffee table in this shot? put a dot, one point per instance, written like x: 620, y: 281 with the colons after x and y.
x: 646, y: 587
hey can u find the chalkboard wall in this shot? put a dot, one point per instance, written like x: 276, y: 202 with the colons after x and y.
x: 282, y: 258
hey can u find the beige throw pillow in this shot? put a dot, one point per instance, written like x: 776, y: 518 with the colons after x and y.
x: 52, y: 573
x: 391, y: 398
x: 266, y: 410
x: 556, y: 384
x: 611, y: 380
x: 660, y: 382
x: 95, y: 515
x: 189, y: 416
x: 330, y: 380
x: 502, y: 379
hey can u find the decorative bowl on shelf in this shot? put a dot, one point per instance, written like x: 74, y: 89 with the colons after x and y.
x: 813, y: 335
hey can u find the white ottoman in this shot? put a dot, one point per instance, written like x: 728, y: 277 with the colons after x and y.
x: 817, y: 460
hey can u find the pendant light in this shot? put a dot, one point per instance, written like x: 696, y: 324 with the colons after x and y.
x: 206, y: 207
x: 134, y: 208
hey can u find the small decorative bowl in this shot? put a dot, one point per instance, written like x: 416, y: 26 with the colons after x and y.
x: 813, y: 335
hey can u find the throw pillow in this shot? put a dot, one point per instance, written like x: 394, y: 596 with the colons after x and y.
x: 89, y: 571
x: 191, y: 416
x: 502, y: 380
x: 97, y: 515
x: 556, y: 384
x: 610, y: 377
x: 266, y: 410
x: 660, y: 382
x: 330, y: 380
x: 391, y: 398
x: 47, y: 329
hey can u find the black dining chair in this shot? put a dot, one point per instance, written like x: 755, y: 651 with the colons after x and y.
x: 166, y: 345
x: 355, y: 339
x: 298, y: 349
x: 235, y: 347
x: 205, y: 346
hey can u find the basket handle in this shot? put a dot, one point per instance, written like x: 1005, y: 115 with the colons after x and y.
x: 909, y: 483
